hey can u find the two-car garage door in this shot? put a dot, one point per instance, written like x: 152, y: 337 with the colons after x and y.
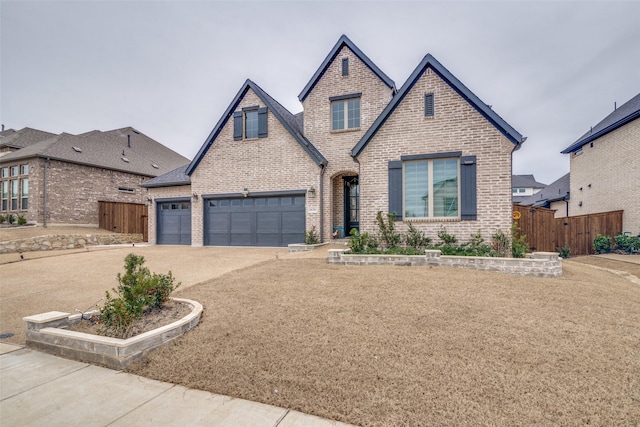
x: 275, y: 220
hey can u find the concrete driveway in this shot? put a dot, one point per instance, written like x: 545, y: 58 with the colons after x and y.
x: 76, y: 280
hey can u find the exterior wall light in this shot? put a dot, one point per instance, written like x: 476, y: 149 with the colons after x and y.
x: 312, y: 191
x: 245, y: 192
x: 195, y: 196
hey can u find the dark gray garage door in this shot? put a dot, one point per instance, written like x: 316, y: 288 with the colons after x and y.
x: 174, y: 223
x: 255, y: 221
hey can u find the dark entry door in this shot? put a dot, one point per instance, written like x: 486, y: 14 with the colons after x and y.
x: 351, y: 204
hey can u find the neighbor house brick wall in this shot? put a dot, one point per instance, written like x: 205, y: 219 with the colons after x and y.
x: 73, y: 191
x: 456, y: 126
x: 180, y: 191
x: 336, y: 145
x: 274, y: 163
x: 606, y: 177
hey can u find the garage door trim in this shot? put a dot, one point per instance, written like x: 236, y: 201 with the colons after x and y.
x: 158, y: 210
x: 255, y: 194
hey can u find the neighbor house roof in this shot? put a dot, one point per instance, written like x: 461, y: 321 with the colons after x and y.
x: 23, y: 137
x: 430, y: 62
x: 525, y: 181
x: 288, y: 120
x: 344, y: 41
x: 126, y: 150
x: 173, y: 178
x: 556, y: 191
x: 620, y: 116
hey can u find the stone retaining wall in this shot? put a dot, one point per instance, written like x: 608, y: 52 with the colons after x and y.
x: 58, y: 241
x: 540, y: 264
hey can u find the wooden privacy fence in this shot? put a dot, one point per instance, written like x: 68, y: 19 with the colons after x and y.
x: 124, y: 218
x: 546, y: 233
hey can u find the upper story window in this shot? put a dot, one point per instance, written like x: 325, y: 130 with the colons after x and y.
x: 345, y: 66
x: 518, y: 190
x: 4, y: 172
x: 250, y: 123
x: 14, y: 170
x: 24, y: 169
x: 431, y: 188
x: 345, y: 112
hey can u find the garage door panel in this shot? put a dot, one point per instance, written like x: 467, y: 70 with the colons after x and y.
x: 174, y: 223
x: 218, y: 222
x: 292, y: 222
x: 240, y: 222
x: 267, y: 222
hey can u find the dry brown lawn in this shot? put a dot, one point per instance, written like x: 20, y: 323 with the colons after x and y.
x: 396, y: 346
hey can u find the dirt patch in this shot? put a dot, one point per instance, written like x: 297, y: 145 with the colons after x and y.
x: 628, y: 267
x: 151, y: 319
x: 388, y: 346
x: 9, y: 234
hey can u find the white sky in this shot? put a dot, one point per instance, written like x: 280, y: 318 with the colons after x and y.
x: 171, y: 68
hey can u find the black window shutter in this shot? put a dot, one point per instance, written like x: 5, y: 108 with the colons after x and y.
x: 345, y: 66
x: 237, y: 125
x: 428, y: 105
x: 262, y: 122
x: 395, y: 188
x: 468, y: 191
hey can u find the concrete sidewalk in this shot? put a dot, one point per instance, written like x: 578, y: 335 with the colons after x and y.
x: 41, y: 389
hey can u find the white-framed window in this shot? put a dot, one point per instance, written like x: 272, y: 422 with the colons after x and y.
x: 518, y: 190
x: 251, y: 124
x: 14, y: 170
x: 431, y: 188
x: 24, y: 169
x: 24, y: 194
x: 5, y: 195
x: 345, y: 114
x: 14, y: 194
x: 4, y: 172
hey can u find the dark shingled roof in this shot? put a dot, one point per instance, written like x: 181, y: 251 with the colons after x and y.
x: 430, y: 62
x: 283, y: 115
x: 621, y: 116
x: 23, y: 138
x: 525, y: 181
x: 106, y: 150
x: 344, y: 41
x: 556, y: 191
x: 173, y: 178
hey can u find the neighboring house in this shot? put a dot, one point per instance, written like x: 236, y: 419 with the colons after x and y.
x: 59, y: 179
x: 605, y: 167
x: 553, y: 196
x: 523, y: 186
x: 431, y: 152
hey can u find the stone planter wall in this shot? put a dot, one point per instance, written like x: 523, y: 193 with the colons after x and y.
x: 56, y: 242
x: 303, y: 247
x: 48, y: 332
x: 540, y: 264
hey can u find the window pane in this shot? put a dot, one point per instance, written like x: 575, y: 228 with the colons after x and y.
x: 5, y: 189
x: 25, y: 187
x: 445, y: 188
x: 14, y: 170
x: 251, y: 124
x: 337, y: 115
x: 5, y: 172
x: 416, y: 189
x: 24, y: 169
x: 354, y: 113
x: 14, y: 188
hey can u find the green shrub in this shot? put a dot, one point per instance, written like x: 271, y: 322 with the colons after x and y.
x: 476, y: 246
x: 446, y: 238
x: 564, y: 251
x: 602, y: 244
x: 388, y: 237
x: 416, y: 239
x: 519, y: 246
x: 11, y: 219
x: 311, y: 237
x: 627, y: 243
x: 21, y: 220
x: 362, y: 243
x: 2, y: 219
x: 138, y: 290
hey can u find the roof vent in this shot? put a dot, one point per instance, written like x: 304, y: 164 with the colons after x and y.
x: 155, y: 166
x: 124, y: 159
x: 77, y: 149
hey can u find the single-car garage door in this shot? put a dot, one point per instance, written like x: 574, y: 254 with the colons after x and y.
x: 255, y: 221
x: 174, y: 223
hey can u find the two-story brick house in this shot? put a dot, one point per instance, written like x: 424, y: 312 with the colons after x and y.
x: 431, y: 152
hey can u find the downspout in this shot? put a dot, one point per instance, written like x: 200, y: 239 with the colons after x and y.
x: 323, y: 169
x: 346, y: 233
x: 44, y: 191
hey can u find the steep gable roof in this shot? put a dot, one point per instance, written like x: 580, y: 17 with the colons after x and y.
x: 283, y: 115
x: 430, y: 62
x: 173, y: 178
x: 527, y: 181
x: 556, y: 191
x: 344, y: 41
x: 624, y: 114
x: 23, y: 137
x: 144, y: 156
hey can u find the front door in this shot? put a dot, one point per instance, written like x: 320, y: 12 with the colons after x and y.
x: 351, y: 204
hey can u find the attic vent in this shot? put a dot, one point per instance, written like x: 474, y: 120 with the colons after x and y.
x: 77, y: 149
x: 155, y: 166
x: 126, y: 190
x: 124, y: 159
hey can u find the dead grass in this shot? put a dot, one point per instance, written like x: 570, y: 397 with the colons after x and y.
x: 389, y: 346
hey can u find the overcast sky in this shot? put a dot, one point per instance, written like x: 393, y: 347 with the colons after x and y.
x: 171, y: 68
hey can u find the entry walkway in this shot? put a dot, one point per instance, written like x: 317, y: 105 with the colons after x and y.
x: 41, y: 389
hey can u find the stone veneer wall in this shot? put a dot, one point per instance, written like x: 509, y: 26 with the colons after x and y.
x: 540, y: 264
x: 56, y: 242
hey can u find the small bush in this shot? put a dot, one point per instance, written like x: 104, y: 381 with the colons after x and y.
x: 447, y: 239
x: 627, y: 243
x: 602, y: 244
x: 519, y: 246
x: 11, y: 219
x: 501, y: 244
x: 416, y: 239
x: 311, y: 237
x: 138, y: 290
x: 21, y: 220
x: 362, y: 243
x: 564, y: 251
x: 2, y: 219
x: 477, y: 247
x: 389, y: 238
